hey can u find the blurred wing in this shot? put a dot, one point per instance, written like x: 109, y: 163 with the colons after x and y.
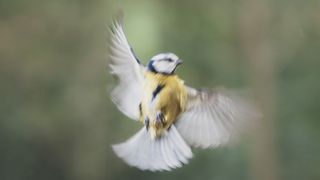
x: 212, y: 117
x: 127, y: 68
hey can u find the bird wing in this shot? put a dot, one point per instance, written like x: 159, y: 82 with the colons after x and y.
x: 212, y: 117
x: 126, y: 66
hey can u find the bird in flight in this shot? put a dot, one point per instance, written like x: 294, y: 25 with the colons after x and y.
x: 175, y: 117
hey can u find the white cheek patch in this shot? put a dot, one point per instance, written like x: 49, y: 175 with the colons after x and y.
x: 164, y: 67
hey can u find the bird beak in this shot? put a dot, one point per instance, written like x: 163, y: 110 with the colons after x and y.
x: 179, y: 62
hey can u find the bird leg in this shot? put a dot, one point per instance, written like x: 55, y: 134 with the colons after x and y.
x: 160, y: 119
x: 146, y: 123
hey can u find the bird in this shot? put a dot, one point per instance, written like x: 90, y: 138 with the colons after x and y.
x: 175, y: 117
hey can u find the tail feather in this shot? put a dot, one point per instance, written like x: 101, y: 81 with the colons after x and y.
x: 164, y: 153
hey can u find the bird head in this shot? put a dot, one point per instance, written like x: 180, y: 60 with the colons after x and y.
x: 164, y: 63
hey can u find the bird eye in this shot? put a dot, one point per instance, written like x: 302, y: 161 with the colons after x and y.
x: 169, y: 60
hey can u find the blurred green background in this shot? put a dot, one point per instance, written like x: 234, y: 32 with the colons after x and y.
x: 57, y: 120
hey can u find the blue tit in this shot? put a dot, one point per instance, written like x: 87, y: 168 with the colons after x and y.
x: 175, y: 117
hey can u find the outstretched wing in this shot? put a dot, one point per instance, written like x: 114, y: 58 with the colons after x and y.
x: 212, y: 117
x: 127, y: 68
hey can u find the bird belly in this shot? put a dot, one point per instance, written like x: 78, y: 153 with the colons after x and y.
x: 166, y: 98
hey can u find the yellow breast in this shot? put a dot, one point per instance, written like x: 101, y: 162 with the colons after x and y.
x: 165, y: 93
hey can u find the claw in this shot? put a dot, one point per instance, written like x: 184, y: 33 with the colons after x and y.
x: 146, y: 123
x: 160, y: 120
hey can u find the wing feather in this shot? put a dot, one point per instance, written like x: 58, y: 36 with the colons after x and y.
x: 129, y: 71
x: 212, y: 117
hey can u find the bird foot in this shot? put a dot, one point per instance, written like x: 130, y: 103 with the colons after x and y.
x: 160, y: 120
x: 146, y: 123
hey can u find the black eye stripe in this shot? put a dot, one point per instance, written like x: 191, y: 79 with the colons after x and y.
x: 167, y: 59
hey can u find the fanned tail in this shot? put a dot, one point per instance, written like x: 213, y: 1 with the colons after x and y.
x: 164, y: 153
